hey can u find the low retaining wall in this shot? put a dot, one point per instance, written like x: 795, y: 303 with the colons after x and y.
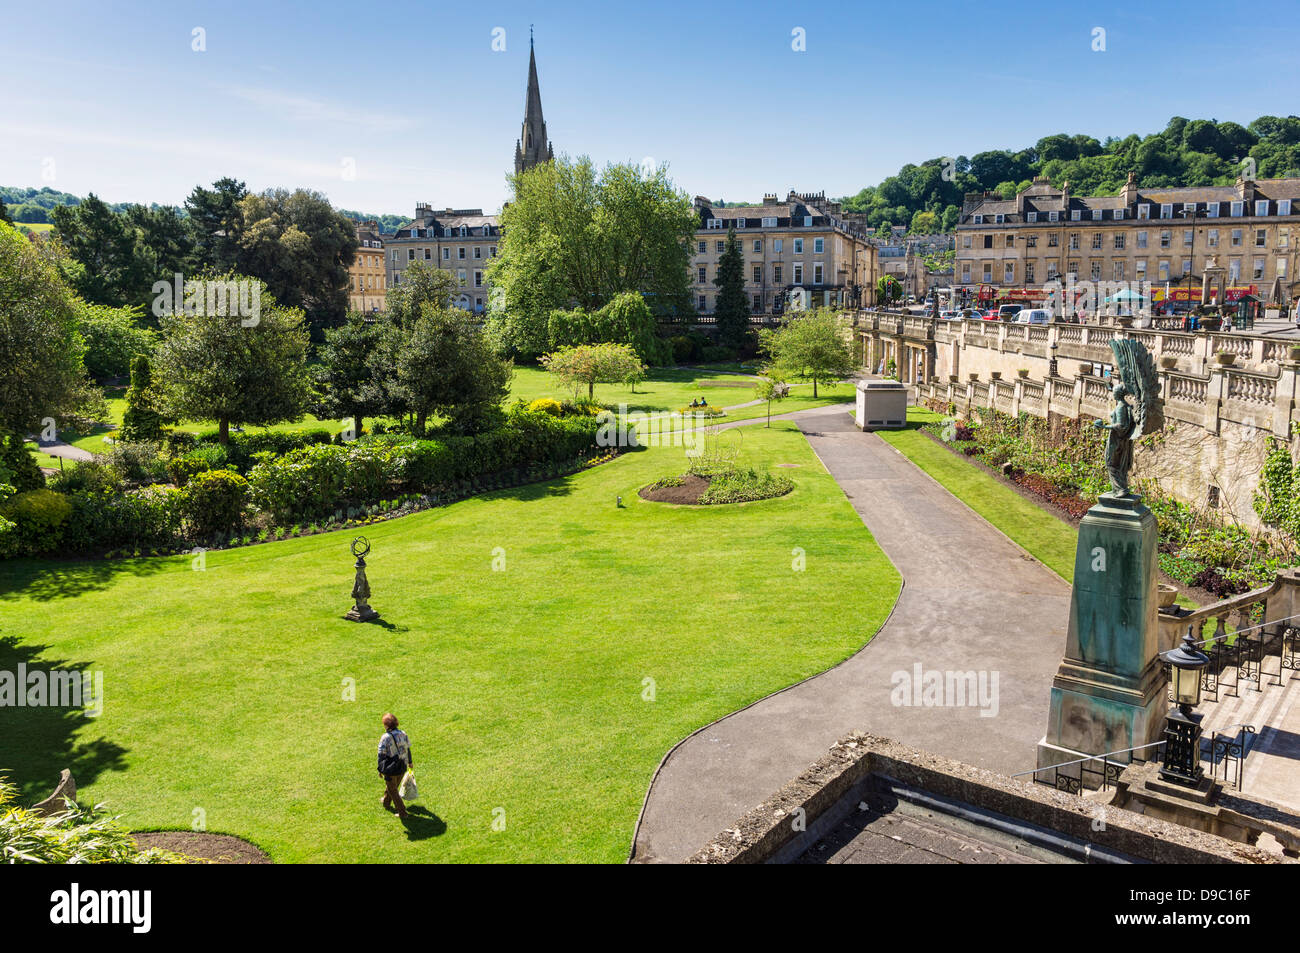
x: 767, y: 833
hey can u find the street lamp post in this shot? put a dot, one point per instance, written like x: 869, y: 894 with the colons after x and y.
x: 1182, y: 764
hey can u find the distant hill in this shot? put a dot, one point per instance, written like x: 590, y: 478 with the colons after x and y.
x: 1186, y: 152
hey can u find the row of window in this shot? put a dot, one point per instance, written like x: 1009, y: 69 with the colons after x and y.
x: 702, y: 303
x: 461, y: 276
x: 750, y: 222
x: 1210, y: 210
x: 370, y: 283
x: 778, y: 245
x: 1258, y: 270
x: 1118, y: 239
x: 778, y: 274
x: 369, y: 261
x: 459, y: 232
x: 411, y: 253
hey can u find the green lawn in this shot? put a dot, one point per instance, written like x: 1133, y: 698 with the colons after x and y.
x: 1043, y: 535
x: 522, y: 690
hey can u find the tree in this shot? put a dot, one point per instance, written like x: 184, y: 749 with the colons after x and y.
x: 770, y: 387
x: 301, y: 249
x: 143, y: 418
x: 44, y: 374
x: 924, y: 223
x: 421, y: 284
x: 626, y: 319
x: 888, y: 289
x: 103, y: 264
x: 216, y: 219
x: 593, y: 364
x: 572, y: 238
x: 443, y: 364
x: 811, y: 346
x: 351, y: 383
x: 732, y: 311
x: 4, y: 214
x: 114, y: 337
x: 218, y: 366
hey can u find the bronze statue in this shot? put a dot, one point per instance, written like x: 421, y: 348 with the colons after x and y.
x: 1137, y: 379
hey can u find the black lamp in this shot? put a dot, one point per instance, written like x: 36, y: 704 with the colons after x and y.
x: 1182, y: 763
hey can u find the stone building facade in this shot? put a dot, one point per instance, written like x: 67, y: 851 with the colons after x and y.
x: 462, y: 241
x: 367, y: 278
x: 1164, y: 236
x: 802, y: 242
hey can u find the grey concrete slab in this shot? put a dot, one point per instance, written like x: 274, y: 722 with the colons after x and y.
x: 972, y: 601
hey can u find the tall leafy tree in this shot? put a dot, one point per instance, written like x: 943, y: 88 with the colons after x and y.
x: 217, y: 221
x: 573, y: 237
x: 44, y: 374
x: 593, y: 364
x: 301, y: 249
x: 811, y: 347
x: 443, y: 364
x: 732, y: 311
x: 222, y: 367
x: 351, y: 383
x: 103, y: 264
x: 143, y: 418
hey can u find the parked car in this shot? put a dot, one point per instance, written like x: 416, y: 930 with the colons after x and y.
x: 1034, y: 316
x: 970, y: 314
x: 950, y: 315
x: 1008, y: 312
x: 989, y: 314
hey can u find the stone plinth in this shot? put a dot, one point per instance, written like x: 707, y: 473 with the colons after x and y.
x: 1109, y: 692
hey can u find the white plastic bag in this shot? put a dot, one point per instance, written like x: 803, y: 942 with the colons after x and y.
x: 407, y: 789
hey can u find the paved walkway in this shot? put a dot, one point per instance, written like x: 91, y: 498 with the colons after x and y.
x: 971, y: 601
x: 57, y: 448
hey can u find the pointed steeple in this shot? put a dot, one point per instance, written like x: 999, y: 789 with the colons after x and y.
x: 532, y: 146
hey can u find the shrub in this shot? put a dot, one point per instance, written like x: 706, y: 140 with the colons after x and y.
x: 139, y: 463
x: 243, y: 447
x: 39, y: 517
x: 24, y: 472
x: 206, y: 457
x: 137, y: 520
x: 87, y: 476
x: 744, y: 484
x: 546, y: 405
x: 302, y: 483
x: 143, y: 419
x: 213, y: 502
x: 76, y: 836
x: 716, y: 354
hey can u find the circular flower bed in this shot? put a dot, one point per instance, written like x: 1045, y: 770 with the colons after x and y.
x: 735, y: 485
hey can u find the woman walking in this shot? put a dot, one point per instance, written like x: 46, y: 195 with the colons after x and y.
x: 394, y: 760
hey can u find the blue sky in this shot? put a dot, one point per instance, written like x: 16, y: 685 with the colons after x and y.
x: 382, y: 106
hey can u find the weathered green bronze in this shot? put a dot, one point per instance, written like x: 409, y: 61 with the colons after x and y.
x: 1137, y: 378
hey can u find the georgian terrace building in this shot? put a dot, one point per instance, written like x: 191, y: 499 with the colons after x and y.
x: 801, y: 243
x: 1007, y: 249
x: 461, y: 241
x: 367, y: 279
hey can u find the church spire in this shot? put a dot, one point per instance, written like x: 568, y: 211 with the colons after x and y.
x: 532, y: 146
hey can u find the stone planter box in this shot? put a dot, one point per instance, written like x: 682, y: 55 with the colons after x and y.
x: 1166, y: 594
x: 995, y: 375
x: 1168, y: 362
x: 1023, y: 373
x: 1223, y: 359
x: 1293, y: 353
x: 973, y: 377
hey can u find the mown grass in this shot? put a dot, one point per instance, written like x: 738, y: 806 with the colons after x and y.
x: 525, y: 691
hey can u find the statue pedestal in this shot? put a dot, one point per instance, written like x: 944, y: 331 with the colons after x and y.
x: 1109, y: 692
x: 361, y: 614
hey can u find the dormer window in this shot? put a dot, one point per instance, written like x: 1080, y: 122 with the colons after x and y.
x: 740, y: 223
x: 1237, y: 208
x: 1166, y: 209
x: 1119, y: 214
x: 1031, y: 216
x: 1211, y: 209
x: 1075, y: 215
x: 1144, y: 211
x: 713, y: 223
x: 1261, y: 206
x: 807, y: 221
x: 769, y: 223
x: 1096, y: 215
x: 1053, y: 216
x: 999, y: 218
x: 1284, y: 206
x: 978, y: 219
